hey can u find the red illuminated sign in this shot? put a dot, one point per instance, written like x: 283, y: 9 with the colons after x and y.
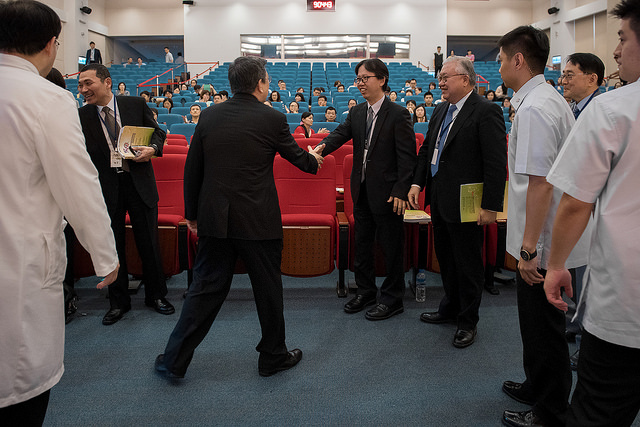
x: 314, y: 5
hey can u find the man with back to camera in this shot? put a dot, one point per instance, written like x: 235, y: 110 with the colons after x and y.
x: 93, y: 55
x: 128, y: 186
x: 228, y: 179
x: 384, y: 155
x: 599, y: 171
x: 583, y: 74
x: 542, y: 121
x: 465, y: 144
x: 48, y: 175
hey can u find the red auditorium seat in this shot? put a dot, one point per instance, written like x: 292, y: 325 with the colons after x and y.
x: 308, y: 208
x: 176, y: 139
x: 175, y: 149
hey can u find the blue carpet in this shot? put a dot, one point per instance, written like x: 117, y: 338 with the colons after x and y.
x: 398, y: 372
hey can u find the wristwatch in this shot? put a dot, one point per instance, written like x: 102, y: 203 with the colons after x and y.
x: 526, y: 255
x: 155, y: 147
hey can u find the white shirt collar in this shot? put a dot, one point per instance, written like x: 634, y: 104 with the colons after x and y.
x: 460, y: 103
x: 376, y: 107
x: 534, y: 81
x: 586, y: 99
x: 111, y: 104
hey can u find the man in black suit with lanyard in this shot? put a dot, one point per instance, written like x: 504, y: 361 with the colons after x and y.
x: 465, y: 144
x: 231, y: 202
x: 127, y: 185
x: 384, y: 155
x: 93, y: 55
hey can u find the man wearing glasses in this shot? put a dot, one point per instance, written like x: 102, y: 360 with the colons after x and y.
x: 384, y: 155
x: 465, y: 144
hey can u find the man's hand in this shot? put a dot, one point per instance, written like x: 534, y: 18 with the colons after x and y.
x: 109, y: 279
x: 399, y: 205
x: 143, y: 153
x: 529, y: 271
x: 554, y: 282
x: 413, y: 195
x: 486, y: 217
x: 316, y: 152
x: 193, y: 226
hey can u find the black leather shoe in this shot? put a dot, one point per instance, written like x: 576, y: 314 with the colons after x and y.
x: 163, y: 370
x: 293, y: 357
x: 359, y: 303
x: 520, y: 392
x: 381, y: 312
x: 464, y: 337
x: 71, y: 307
x: 435, y: 317
x: 521, y: 419
x: 573, y: 360
x: 114, y: 315
x: 161, y: 305
x: 492, y: 290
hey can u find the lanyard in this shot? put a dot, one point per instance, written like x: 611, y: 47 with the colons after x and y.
x: 588, y: 101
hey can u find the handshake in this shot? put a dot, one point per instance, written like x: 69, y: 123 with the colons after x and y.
x: 317, y: 153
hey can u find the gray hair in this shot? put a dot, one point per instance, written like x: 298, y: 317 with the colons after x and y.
x: 463, y: 66
x: 245, y: 72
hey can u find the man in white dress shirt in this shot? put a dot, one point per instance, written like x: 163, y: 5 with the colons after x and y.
x: 599, y: 171
x: 45, y: 173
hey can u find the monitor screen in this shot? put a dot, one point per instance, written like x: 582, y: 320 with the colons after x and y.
x: 556, y: 59
x: 82, y: 60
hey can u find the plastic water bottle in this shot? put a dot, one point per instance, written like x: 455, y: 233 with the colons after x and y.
x: 421, y: 287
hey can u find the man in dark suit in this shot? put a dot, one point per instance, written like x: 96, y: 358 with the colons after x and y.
x: 93, y: 55
x: 127, y: 185
x: 384, y: 155
x: 465, y: 144
x: 231, y: 202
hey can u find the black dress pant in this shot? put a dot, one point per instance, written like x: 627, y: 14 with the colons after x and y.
x: 545, y: 351
x: 144, y: 222
x: 29, y: 413
x: 458, y: 247
x: 388, y: 230
x: 608, y: 389
x: 212, y: 275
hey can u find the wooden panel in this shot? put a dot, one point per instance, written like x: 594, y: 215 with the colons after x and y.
x: 168, y: 242
x: 306, y: 251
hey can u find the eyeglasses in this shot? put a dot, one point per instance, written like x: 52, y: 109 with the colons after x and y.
x: 57, y: 43
x: 362, y: 79
x: 443, y: 79
x: 570, y: 76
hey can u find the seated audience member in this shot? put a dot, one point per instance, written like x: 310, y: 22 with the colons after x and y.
x: 167, y: 94
x: 122, y: 90
x: 411, y: 105
x: 293, y: 107
x: 197, y: 89
x: 352, y: 103
x: 490, y: 95
x: 282, y: 85
x: 217, y: 98
x: 224, y: 94
x: 413, y: 83
x: 299, y: 97
x: 418, y: 90
x: 506, y: 103
x: 393, y: 96
x: 193, y: 83
x: 340, y: 88
x: 129, y: 62
x: 305, y: 126
x: 408, y: 92
x: 317, y: 91
x: 140, y: 63
x: 428, y: 99
x: 337, y: 83
x: 176, y: 91
x: 322, y: 101
x: 451, y: 54
x: 330, y: 114
x: 420, y: 114
x: 551, y: 82
x: 168, y: 104
x: 184, y: 86
x: 195, y: 111
x: 146, y: 95
x: 205, y: 97
x: 208, y: 87
x: 300, y: 90
x: 501, y: 92
x: 407, y: 85
x: 432, y: 86
x: 471, y: 56
x: 155, y: 114
x: 275, y: 96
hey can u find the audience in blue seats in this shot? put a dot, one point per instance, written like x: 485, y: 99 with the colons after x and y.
x: 330, y: 114
x: 411, y: 105
x: 490, y: 95
x: 293, y: 107
x: 195, y: 111
x: 168, y: 104
x: 393, y: 96
x: 420, y: 114
x: 305, y: 126
x: 122, y: 89
x: 275, y: 96
x: 428, y: 99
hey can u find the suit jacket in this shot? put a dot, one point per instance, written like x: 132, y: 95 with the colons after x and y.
x: 97, y: 57
x: 134, y: 112
x: 228, y: 179
x: 391, y: 157
x: 475, y: 151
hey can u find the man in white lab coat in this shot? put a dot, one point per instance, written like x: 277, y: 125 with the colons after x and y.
x: 45, y: 173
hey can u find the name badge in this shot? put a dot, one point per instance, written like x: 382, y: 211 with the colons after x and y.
x: 116, y: 160
x: 435, y: 157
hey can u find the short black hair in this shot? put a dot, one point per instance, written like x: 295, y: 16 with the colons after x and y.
x: 56, y: 78
x: 629, y: 9
x: 122, y: 83
x: 322, y: 97
x: 589, y: 64
x: 27, y: 26
x: 378, y: 68
x: 102, y: 72
x: 145, y: 92
x: 196, y: 87
x: 245, y: 72
x: 224, y: 93
x: 329, y: 109
x: 427, y: 93
x: 531, y: 42
x: 305, y: 115
x: 318, y: 89
x: 216, y: 94
x: 166, y: 47
x: 340, y: 85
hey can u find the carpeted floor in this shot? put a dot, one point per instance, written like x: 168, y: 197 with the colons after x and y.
x: 398, y: 372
